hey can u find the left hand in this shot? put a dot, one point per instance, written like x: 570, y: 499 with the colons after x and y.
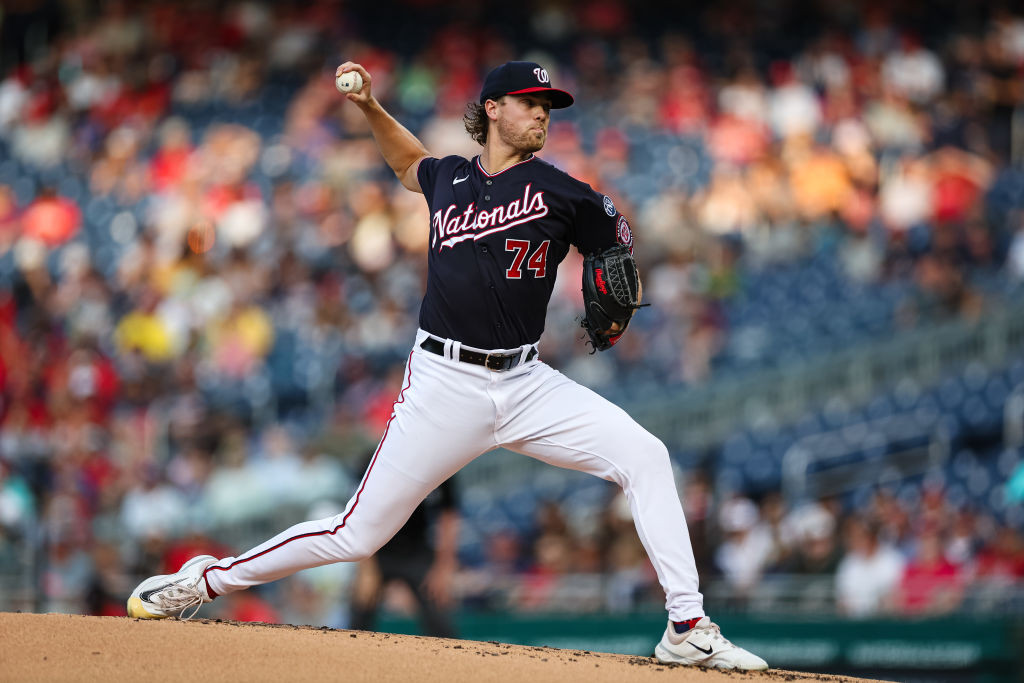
x: 617, y: 327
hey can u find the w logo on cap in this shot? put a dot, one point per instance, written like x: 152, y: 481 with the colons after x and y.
x: 522, y: 78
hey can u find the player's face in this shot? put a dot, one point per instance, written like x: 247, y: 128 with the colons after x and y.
x: 523, y: 121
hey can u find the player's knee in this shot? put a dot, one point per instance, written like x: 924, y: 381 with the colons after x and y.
x: 358, y: 554
x: 648, y: 447
x: 648, y: 457
x: 362, y: 548
x: 656, y: 453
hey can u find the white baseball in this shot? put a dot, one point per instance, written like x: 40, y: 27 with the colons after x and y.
x: 350, y: 81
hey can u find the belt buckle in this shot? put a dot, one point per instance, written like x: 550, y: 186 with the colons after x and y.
x: 498, y: 367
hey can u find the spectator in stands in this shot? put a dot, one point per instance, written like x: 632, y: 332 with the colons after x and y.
x: 941, y: 292
x: 151, y: 505
x: 816, y: 550
x: 50, y: 219
x: 747, y: 547
x: 552, y: 551
x: 869, y: 574
x: 931, y: 584
x: 1002, y: 559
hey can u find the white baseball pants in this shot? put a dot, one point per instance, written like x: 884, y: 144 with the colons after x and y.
x: 450, y: 412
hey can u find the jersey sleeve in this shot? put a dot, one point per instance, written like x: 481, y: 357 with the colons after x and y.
x: 599, y: 224
x: 432, y: 170
x: 426, y: 174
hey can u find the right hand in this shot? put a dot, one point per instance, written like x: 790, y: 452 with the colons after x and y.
x: 363, y: 96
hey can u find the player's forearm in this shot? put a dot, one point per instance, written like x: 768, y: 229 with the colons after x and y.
x: 399, y: 147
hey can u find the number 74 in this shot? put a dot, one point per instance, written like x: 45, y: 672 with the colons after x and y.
x: 538, y: 261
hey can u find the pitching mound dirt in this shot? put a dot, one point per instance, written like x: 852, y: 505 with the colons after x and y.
x: 60, y: 647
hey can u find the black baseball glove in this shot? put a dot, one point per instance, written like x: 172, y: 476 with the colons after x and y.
x: 611, y: 293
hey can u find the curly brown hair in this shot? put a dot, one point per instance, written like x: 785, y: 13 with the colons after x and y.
x: 476, y: 122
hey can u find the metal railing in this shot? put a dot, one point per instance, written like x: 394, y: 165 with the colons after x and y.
x: 896, y: 447
x: 703, y: 416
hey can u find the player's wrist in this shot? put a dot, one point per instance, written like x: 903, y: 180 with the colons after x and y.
x: 370, y: 104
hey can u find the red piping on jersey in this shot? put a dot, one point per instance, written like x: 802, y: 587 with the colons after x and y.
x: 401, y: 398
x: 495, y: 175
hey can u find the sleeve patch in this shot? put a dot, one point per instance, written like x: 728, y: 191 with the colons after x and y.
x: 625, y: 235
x: 609, y: 206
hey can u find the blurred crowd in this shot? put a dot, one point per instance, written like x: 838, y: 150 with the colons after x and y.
x: 209, y: 279
x: 911, y: 553
x: 914, y: 554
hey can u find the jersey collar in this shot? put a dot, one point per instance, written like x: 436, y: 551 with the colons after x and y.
x: 495, y: 175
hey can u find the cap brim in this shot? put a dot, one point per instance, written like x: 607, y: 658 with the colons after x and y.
x: 559, y: 98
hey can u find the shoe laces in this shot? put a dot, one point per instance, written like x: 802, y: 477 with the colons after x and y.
x: 180, y: 598
x: 715, y: 633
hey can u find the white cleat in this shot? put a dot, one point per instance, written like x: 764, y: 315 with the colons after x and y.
x: 704, y: 645
x: 171, y: 595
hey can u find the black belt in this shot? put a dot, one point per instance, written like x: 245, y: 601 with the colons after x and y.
x: 491, y: 361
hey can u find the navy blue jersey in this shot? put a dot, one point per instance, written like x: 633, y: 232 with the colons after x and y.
x: 496, y: 242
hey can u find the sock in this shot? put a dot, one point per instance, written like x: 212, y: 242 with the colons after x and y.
x: 209, y: 591
x: 684, y: 626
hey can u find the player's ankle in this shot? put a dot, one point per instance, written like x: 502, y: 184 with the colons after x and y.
x: 685, y: 625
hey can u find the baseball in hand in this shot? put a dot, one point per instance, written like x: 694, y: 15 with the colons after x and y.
x: 350, y: 81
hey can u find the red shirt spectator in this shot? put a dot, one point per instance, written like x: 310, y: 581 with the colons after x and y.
x: 51, y: 219
x: 959, y: 180
x: 1003, y: 558
x: 930, y: 582
x: 168, y: 166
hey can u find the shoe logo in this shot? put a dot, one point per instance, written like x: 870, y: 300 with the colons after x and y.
x: 146, y: 595
x: 708, y: 651
x: 459, y: 180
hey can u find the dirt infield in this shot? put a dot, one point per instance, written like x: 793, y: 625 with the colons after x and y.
x: 59, y: 647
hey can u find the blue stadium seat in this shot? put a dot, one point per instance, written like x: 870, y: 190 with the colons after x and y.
x: 977, y: 415
x: 737, y: 449
x: 880, y: 407
x: 952, y: 393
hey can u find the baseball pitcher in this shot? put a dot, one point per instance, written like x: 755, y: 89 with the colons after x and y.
x: 500, y: 224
